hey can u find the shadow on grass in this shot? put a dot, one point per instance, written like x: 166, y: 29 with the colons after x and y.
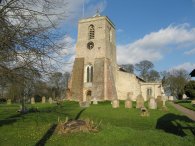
x: 47, y: 135
x: 175, y: 124
x: 11, y: 119
x: 79, y: 114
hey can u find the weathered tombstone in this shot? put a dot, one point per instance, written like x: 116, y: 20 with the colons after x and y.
x: 193, y: 102
x: 159, y: 102
x: 95, y: 101
x: 43, y: 99
x: 184, y: 96
x: 32, y: 100
x: 152, y: 103
x: 9, y: 101
x: 139, y: 101
x: 170, y: 98
x: 115, y: 103
x: 164, y: 99
x: 84, y: 104
x: 50, y: 100
x: 128, y: 102
x: 144, y: 112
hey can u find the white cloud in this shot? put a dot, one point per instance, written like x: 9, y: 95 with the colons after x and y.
x: 155, y: 45
x: 119, y: 30
x: 190, y: 52
x: 187, y: 66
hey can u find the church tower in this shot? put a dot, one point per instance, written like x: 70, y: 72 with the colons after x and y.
x: 94, y: 69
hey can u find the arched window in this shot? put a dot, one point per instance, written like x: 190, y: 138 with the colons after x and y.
x: 91, y: 32
x: 89, y: 70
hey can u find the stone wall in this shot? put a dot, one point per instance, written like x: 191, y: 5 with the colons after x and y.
x: 111, y: 92
x: 156, y: 89
x: 98, y: 79
x: 77, y: 79
x: 126, y: 82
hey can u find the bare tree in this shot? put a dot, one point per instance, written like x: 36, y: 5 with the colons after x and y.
x: 28, y: 38
x: 128, y: 67
x: 174, y: 82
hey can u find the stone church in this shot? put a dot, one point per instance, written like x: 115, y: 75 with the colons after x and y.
x: 95, y: 74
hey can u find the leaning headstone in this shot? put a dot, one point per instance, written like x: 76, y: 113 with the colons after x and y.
x: 50, y: 100
x: 43, y: 99
x: 152, y: 103
x: 159, y: 102
x: 115, y: 103
x: 9, y: 101
x: 139, y: 101
x: 32, y: 100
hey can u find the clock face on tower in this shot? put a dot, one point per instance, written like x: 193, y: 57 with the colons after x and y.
x: 90, y: 45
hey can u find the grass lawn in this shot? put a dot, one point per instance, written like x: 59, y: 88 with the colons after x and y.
x: 186, y: 104
x: 119, y: 127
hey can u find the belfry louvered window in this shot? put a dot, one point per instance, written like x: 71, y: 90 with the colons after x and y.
x: 91, y: 32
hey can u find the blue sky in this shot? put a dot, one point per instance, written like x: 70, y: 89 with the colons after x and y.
x: 162, y: 31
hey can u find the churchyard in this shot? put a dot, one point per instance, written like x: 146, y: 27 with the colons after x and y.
x: 187, y: 104
x: 116, y: 126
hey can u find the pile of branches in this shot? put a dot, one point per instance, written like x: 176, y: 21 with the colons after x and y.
x: 73, y: 126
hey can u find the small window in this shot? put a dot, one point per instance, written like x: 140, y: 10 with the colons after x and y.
x: 91, y: 32
x: 149, y: 92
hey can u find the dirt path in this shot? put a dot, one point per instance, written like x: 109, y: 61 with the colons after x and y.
x: 189, y: 113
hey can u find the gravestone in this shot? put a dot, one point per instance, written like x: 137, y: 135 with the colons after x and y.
x: 50, y: 100
x: 115, y: 103
x: 184, y: 96
x: 139, y: 101
x: 144, y: 112
x: 84, y: 104
x: 95, y: 101
x: 152, y: 103
x: 159, y: 102
x: 193, y: 102
x: 32, y: 100
x: 9, y: 101
x: 128, y: 102
x: 170, y: 98
x: 43, y: 99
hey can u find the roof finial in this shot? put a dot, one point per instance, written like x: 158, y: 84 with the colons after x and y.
x: 97, y: 13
